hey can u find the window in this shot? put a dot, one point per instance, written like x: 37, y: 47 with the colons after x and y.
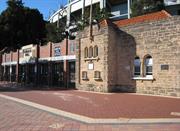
x: 97, y: 75
x: 86, y: 52
x: 148, y: 63
x: 84, y: 75
x: 90, y: 52
x: 95, y: 51
x: 72, y: 49
x: 137, y: 66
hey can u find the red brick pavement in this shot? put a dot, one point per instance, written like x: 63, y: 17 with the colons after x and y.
x: 103, y: 105
x: 19, y: 117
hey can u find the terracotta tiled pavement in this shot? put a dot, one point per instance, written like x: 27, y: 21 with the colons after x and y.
x: 18, y: 117
x: 103, y: 105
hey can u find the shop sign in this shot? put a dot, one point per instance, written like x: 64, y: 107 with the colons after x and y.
x: 57, y: 51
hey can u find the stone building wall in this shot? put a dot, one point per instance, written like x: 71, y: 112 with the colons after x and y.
x: 161, y: 40
x: 120, y: 45
x: 100, y: 39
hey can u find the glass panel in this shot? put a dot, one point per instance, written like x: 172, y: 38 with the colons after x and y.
x: 137, y: 70
x: 149, y: 70
x: 148, y: 61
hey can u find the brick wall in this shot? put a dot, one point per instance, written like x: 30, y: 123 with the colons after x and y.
x: 14, y: 56
x: 45, y: 51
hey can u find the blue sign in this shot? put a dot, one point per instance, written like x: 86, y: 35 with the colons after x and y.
x: 57, y: 51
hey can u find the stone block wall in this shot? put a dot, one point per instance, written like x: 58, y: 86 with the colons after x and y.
x: 118, y: 46
x: 161, y: 40
x: 100, y: 39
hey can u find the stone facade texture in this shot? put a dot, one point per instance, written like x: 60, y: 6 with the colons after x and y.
x: 119, y: 45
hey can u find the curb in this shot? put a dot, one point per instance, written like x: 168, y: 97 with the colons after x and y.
x: 89, y: 120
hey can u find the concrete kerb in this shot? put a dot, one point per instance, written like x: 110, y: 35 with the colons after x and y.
x: 89, y: 120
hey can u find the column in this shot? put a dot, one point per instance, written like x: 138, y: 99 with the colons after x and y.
x: 10, y: 68
x: 17, y: 67
x: 66, y: 66
x: 50, y: 66
x: 1, y: 67
x: 36, y: 70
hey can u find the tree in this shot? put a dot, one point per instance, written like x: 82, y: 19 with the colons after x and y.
x: 140, y: 7
x: 20, y: 25
x: 53, y: 33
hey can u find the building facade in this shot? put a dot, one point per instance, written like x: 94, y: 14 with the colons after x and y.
x: 140, y: 55
x: 119, y: 9
x: 49, y: 65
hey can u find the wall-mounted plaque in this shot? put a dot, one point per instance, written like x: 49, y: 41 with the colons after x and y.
x: 164, y: 67
x: 90, y: 66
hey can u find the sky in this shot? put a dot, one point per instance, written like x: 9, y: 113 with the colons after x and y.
x: 46, y: 7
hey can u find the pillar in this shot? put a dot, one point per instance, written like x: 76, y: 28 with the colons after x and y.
x: 17, y: 67
x: 10, y: 68
x: 37, y: 66
x: 1, y: 67
x: 50, y: 66
x: 66, y: 65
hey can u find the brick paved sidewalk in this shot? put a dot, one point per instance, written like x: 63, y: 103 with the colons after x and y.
x: 19, y: 117
x: 103, y: 105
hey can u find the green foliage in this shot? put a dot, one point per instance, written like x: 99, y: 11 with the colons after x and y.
x: 53, y: 33
x: 97, y: 15
x: 20, y: 25
x: 140, y: 7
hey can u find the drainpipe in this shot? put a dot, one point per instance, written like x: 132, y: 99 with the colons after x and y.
x: 90, y: 21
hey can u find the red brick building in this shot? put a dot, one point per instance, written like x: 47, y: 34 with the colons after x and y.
x: 52, y: 64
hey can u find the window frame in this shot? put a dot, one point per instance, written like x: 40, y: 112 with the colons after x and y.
x: 150, y: 64
x: 96, y: 51
x: 84, y: 75
x: 135, y: 72
x: 90, y: 52
x: 86, y: 52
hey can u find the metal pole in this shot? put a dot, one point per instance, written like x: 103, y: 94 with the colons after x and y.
x: 129, y: 6
x: 68, y: 14
x: 83, y: 9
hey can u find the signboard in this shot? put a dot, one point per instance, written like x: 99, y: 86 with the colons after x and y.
x: 57, y: 51
x: 164, y: 67
x: 27, y: 52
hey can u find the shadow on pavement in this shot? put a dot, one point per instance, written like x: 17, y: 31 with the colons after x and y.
x: 17, y: 87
